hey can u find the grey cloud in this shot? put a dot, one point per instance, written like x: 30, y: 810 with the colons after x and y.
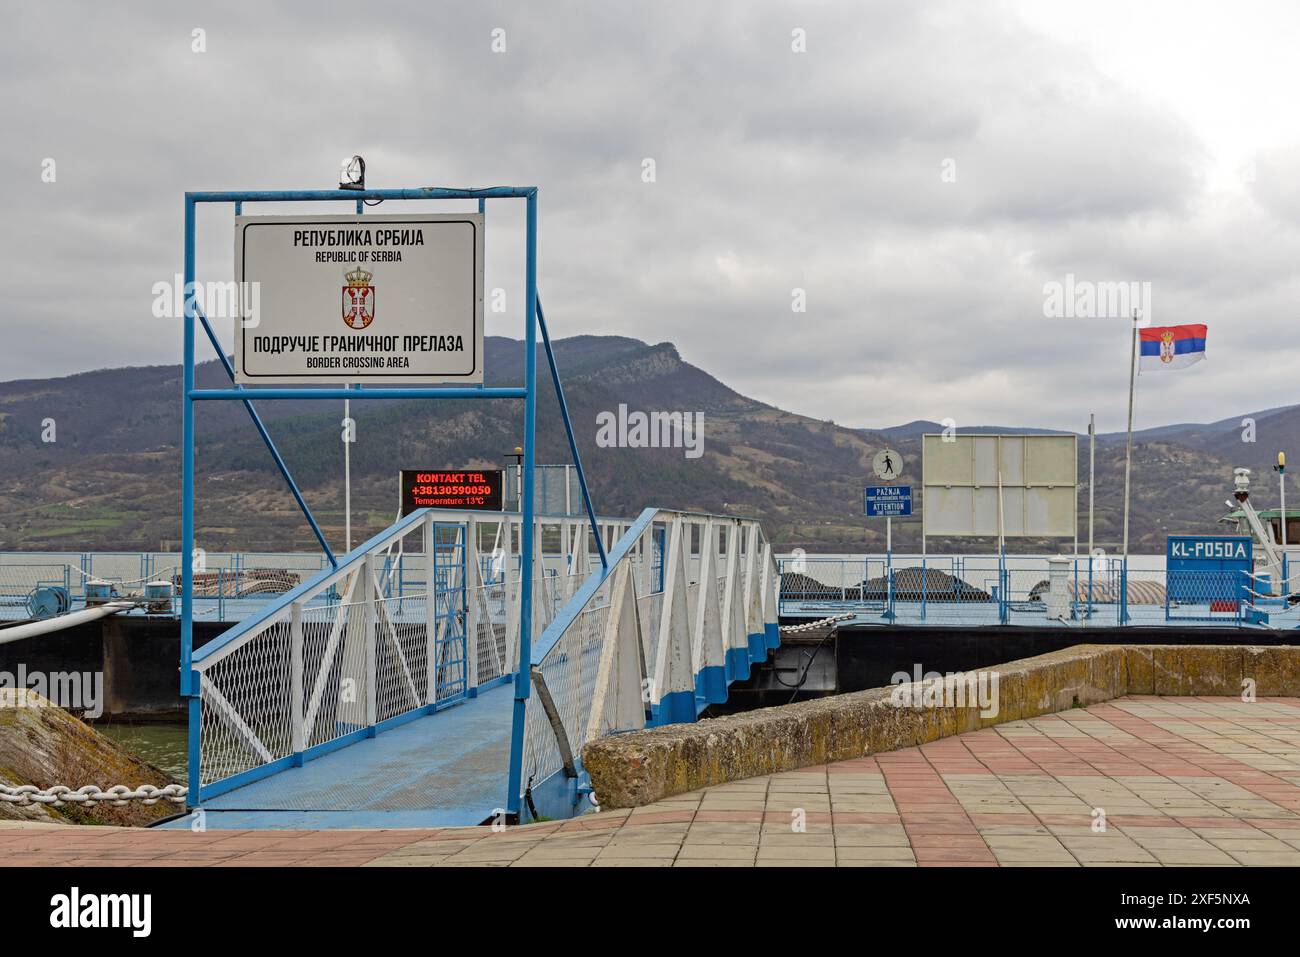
x: 775, y: 170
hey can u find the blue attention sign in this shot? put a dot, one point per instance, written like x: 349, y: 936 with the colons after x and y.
x: 885, y: 501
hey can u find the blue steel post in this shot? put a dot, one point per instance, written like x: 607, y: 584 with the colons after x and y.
x: 523, y: 680
x: 889, y: 585
x: 925, y: 581
x: 1074, y: 591
x: 1123, y: 592
x: 188, y: 682
x: 358, y: 392
x: 1091, y: 562
x: 568, y: 430
x: 266, y: 440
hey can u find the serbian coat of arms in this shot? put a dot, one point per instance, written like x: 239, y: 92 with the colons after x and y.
x: 1166, y: 346
x: 358, y: 299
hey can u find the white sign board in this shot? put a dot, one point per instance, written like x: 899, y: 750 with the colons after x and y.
x: 373, y: 299
x: 1037, y: 474
x: 887, y: 464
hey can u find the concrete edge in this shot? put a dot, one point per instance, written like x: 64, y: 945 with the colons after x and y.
x: 642, y: 767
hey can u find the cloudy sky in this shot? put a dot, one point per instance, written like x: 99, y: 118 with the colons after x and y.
x: 921, y: 170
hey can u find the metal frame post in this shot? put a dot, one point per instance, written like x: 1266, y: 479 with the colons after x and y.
x: 1123, y: 591
x: 189, y: 678
x: 430, y: 613
x: 373, y: 625
x: 470, y: 579
x: 296, y: 732
x: 925, y: 581
x: 523, y: 681
x: 266, y: 440
x: 573, y: 443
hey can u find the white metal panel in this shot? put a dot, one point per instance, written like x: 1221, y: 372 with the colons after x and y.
x: 1054, y: 461
x: 948, y: 463
x: 421, y: 279
x: 1037, y: 475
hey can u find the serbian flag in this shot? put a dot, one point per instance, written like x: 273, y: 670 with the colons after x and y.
x: 1171, y: 347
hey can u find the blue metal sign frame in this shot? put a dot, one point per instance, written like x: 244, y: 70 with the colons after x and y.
x: 533, y: 322
x: 887, y: 501
x: 1208, y: 570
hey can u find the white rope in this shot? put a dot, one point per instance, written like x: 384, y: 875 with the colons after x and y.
x: 118, y: 795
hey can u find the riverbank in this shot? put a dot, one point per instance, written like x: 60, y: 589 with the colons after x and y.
x: 43, y: 745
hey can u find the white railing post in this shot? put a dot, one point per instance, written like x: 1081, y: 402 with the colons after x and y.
x: 646, y: 544
x: 538, y: 584
x: 753, y: 611
x: 513, y: 594
x: 770, y: 582
x: 430, y: 615
x: 296, y: 731
x: 617, y: 704
x: 733, y: 626
x: 471, y: 591
x: 673, y: 677
x: 709, y: 649
x: 372, y: 644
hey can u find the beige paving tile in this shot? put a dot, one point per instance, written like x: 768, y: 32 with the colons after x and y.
x: 1267, y: 858
x: 873, y: 853
x: 792, y: 853
x: 1190, y: 855
x: 873, y: 863
x: 605, y: 861
x: 734, y: 852
x: 638, y: 849
x: 712, y: 862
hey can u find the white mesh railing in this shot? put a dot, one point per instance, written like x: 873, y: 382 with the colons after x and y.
x: 635, y: 634
x: 490, y: 638
x: 245, y: 706
x: 650, y: 610
x: 333, y: 657
x: 333, y: 668
x: 364, y: 643
x: 569, y: 671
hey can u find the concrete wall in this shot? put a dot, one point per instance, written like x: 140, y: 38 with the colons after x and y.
x: 642, y: 767
x: 868, y: 657
x: 138, y: 656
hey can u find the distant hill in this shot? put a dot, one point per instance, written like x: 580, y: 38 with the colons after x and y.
x: 920, y: 427
x: 111, y: 479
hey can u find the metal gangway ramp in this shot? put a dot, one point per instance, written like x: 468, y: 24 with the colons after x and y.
x: 359, y: 699
x: 387, y: 692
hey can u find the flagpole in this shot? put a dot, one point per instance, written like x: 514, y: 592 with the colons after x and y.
x: 1092, y: 475
x: 1128, y: 451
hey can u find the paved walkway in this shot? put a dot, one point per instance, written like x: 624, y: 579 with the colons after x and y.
x: 1177, y: 781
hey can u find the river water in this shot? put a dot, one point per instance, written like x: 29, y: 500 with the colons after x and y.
x: 162, y: 745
